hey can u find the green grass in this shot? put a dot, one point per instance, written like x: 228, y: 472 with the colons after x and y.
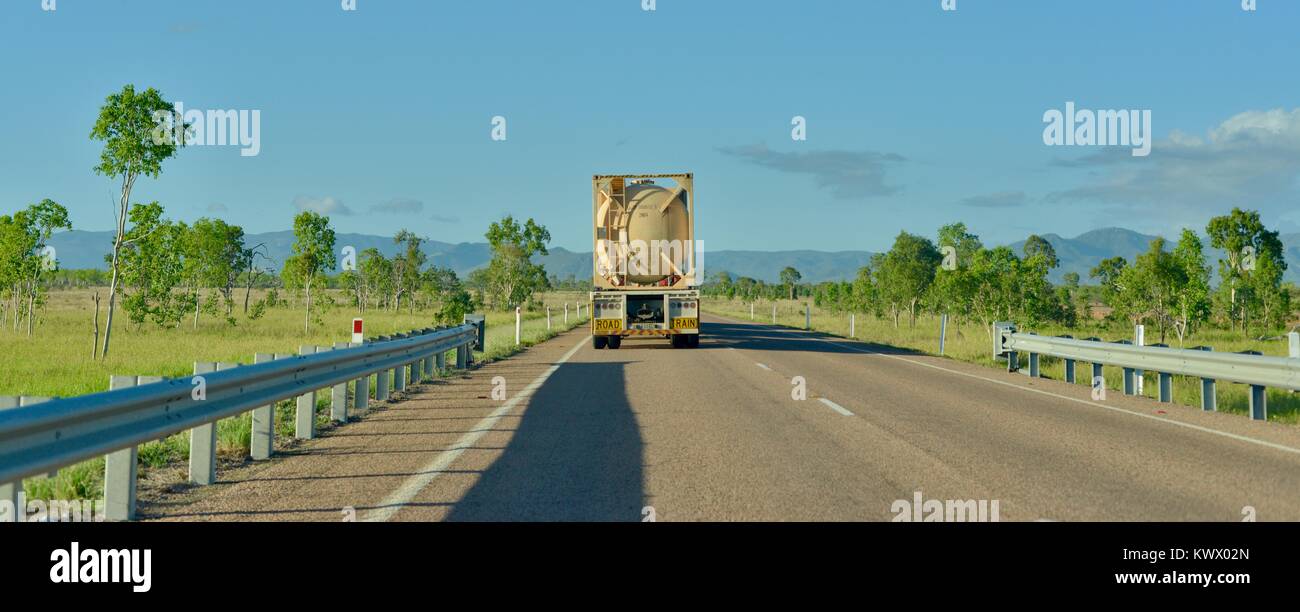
x: 971, y: 342
x: 55, y: 361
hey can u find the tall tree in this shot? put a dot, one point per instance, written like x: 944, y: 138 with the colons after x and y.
x: 905, y: 273
x: 313, y: 254
x: 1251, y: 273
x: 512, y: 276
x: 135, y: 144
x: 1192, y: 305
x: 790, y: 278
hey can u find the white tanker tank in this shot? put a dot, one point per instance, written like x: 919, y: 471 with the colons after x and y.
x: 644, y: 264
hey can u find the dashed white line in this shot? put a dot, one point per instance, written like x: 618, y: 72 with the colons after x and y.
x: 764, y: 366
x: 1208, y: 430
x: 1238, y: 437
x: 836, y: 407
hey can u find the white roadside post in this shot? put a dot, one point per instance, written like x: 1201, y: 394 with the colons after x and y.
x: 751, y: 311
x: 807, y: 316
x: 943, y: 331
x: 361, y: 387
x: 518, y: 323
x: 1139, y: 339
x: 566, y: 313
x: 548, y: 318
x: 1293, y: 343
x: 853, y: 333
x: 773, y: 313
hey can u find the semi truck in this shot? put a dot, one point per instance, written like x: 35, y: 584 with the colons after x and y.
x: 645, y: 271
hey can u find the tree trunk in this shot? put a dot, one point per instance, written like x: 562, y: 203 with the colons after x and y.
x: 306, y: 319
x: 94, y: 346
x: 127, y: 182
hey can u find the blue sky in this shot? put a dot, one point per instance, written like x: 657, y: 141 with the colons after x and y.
x: 916, y: 116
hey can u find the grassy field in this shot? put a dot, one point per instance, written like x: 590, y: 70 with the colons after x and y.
x: 56, y: 361
x: 971, y: 342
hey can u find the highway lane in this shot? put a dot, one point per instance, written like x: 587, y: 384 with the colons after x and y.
x: 714, y: 433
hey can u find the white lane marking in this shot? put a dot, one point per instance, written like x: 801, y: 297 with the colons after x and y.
x: 1238, y: 437
x: 763, y: 366
x: 413, y: 485
x: 836, y: 407
x: 1208, y: 430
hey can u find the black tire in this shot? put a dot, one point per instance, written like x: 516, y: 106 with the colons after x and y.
x: 693, y: 341
x: 599, y: 342
x: 615, y: 341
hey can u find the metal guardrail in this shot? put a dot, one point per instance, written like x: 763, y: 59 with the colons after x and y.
x: 63, y: 431
x: 1258, y: 371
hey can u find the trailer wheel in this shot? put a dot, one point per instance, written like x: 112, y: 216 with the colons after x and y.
x: 615, y: 341
x: 598, y: 342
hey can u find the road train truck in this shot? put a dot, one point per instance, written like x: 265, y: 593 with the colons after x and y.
x: 644, y: 260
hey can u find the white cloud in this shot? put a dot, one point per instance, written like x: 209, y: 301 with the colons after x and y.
x: 1251, y: 160
x: 327, y: 205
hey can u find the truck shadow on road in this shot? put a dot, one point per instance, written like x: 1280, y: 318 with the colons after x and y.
x: 576, y: 455
x: 724, y: 335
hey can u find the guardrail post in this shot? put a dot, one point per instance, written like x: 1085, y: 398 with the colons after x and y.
x: 1209, y: 397
x: 261, y: 438
x: 399, y: 376
x: 305, y: 417
x: 462, y: 359
x: 339, y: 394
x: 11, y: 491
x: 1033, y: 365
x: 1258, y: 403
x: 1096, y: 372
x: 203, y: 438
x: 1128, y: 381
x: 440, y: 361
x: 1069, y: 371
x: 120, y: 470
x: 1013, y: 362
x: 381, y: 378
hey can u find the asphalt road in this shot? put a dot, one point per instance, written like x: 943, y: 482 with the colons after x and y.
x: 715, y: 434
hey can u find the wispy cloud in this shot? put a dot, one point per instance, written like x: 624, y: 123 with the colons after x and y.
x: 847, y: 174
x: 398, y: 206
x: 1001, y: 199
x: 1252, y: 159
x: 327, y: 205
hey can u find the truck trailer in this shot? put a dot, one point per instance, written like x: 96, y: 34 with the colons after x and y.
x: 644, y: 260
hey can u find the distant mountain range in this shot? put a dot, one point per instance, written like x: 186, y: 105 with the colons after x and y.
x: 83, y: 249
